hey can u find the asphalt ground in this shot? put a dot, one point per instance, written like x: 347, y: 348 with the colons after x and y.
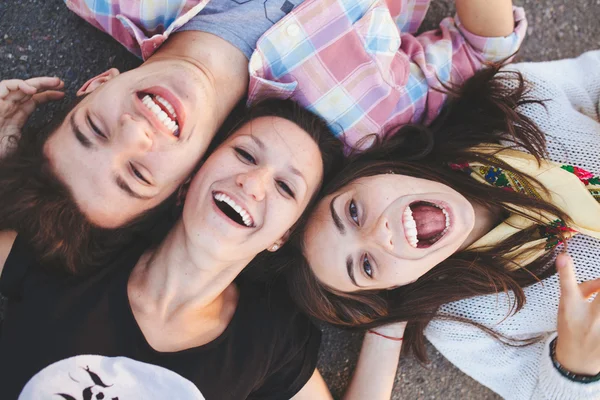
x: 41, y: 37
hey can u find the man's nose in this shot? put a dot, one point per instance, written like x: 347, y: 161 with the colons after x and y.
x: 135, y: 135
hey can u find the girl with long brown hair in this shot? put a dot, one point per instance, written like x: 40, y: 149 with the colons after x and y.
x: 453, y: 228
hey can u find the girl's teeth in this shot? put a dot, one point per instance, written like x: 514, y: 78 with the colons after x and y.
x: 160, y: 114
x: 243, y: 213
x: 447, y: 218
x: 410, y: 227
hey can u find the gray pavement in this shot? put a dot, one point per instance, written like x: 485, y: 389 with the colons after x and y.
x: 41, y: 37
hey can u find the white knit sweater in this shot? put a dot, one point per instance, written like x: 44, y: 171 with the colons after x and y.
x: 572, y: 126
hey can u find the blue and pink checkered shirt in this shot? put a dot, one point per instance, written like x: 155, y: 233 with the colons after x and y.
x: 356, y: 63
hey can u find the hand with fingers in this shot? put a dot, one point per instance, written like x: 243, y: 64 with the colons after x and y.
x: 18, y: 99
x: 578, y: 341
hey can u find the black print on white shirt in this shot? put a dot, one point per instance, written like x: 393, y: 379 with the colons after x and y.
x: 95, y: 377
x: 87, y: 393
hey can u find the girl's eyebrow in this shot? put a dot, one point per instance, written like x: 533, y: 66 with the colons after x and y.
x: 350, y: 269
x: 258, y: 142
x: 337, y: 221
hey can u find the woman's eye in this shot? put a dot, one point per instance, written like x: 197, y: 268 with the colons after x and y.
x: 244, y: 154
x: 353, y: 211
x: 367, y: 266
x: 286, y: 189
x: 139, y: 175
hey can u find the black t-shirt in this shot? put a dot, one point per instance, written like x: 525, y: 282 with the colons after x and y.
x: 77, y: 338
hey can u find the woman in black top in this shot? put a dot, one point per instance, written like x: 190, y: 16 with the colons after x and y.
x: 170, y: 322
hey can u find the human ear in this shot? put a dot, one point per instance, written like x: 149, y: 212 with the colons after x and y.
x: 277, y: 245
x: 97, y: 81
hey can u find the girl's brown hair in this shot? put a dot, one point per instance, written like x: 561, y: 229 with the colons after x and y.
x: 484, y: 110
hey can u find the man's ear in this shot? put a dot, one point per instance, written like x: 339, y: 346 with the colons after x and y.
x: 97, y: 81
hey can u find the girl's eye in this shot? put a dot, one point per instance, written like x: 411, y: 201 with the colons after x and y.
x: 367, y: 266
x: 244, y: 154
x: 353, y: 211
x: 139, y: 175
x: 286, y: 189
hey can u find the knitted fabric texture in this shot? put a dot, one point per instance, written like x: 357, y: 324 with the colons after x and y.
x: 570, y: 121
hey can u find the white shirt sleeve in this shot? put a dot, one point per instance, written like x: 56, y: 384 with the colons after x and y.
x: 524, y: 372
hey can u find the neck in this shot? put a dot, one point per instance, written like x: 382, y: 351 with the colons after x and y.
x: 485, y: 221
x: 224, y: 66
x: 179, y: 277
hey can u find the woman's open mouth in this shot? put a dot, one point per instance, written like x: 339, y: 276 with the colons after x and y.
x: 425, y: 223
x: 232, y: 210
x: 162, y: 109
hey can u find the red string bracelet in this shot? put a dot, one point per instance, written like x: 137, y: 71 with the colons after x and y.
x: 386, y: 336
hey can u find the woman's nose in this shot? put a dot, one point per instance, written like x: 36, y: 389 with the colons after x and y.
x: 381, y: 234
x: 253, y: 183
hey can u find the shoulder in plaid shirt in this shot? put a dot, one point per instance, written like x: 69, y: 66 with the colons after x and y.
x: 357, y: 64
x: 139, y: 25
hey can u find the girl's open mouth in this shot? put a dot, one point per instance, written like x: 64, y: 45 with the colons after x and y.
x: 232, y: 210
x: 425, y: 223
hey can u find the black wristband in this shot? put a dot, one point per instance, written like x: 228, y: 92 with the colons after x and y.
x: 568, y: 374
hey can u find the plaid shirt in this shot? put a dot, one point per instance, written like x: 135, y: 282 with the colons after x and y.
x: 357, y: 64
x: 139, y: 25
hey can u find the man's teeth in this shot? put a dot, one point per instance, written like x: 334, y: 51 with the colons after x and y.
x: 410, y: 226
x: 166, y: 104
x: 243, y: 213
x: 151, y: 104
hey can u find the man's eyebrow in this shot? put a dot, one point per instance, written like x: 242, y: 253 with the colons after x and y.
x: 336, y: 218
x: 127, y: 189
x: 85, y: 142
x: 350, y: 269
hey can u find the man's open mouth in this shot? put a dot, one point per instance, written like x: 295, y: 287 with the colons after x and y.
x: 232, y: 210
x: 164, y: 111
x: 425, y: 223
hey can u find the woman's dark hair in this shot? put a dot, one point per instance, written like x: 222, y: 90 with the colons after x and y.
x: 40, y: 208
x: 483, y: 110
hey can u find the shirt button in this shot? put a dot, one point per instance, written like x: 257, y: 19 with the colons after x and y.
x: 393, y: 47
x: 293, y: 30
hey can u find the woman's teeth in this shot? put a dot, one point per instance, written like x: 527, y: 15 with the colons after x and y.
x: 154, y: 103
x: 246, y: 218
x: 410, y: 226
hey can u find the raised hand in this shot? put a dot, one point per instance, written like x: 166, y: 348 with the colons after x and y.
x: 18, y: 99
x: 578, y: 342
